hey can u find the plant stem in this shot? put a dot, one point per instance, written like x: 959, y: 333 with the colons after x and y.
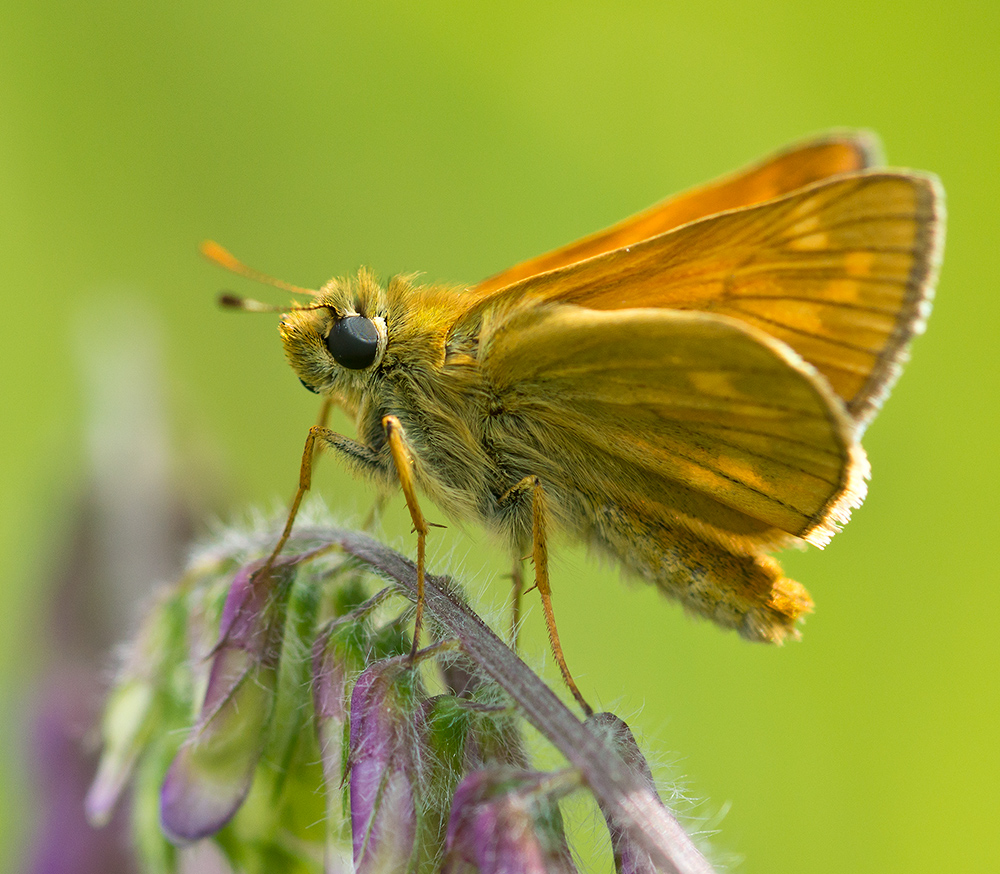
x: 616, y: 788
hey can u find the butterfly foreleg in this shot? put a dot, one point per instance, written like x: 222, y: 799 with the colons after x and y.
x: 540, y: 559
x: 403, y: 460
x: 319, y: 438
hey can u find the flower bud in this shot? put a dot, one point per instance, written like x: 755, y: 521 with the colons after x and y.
x: 135, y: 703
x: 493, y: 736
x: 338, y: 655
x: 507, y: 821
x: 630, y: 858
x: 383, y: 753
x: 211, y: 774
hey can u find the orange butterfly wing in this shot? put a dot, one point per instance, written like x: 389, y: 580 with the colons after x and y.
x: 786, y: 171
x: 681, y: 417
x: 841, y: 270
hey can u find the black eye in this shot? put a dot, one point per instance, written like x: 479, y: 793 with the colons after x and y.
x: 306, y: 385
x: 353, y: 342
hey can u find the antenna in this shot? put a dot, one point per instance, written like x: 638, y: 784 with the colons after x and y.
x: 214, y: 252
x: 249, y: 305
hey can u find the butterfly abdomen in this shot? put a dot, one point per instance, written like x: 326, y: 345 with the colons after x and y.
x: 738, y: 589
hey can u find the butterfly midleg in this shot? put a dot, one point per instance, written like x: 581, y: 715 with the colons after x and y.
x: 540, y: 557
x: 404, y: 467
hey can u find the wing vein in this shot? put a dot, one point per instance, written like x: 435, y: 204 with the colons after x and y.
x: 582, y: 428
x: 805, y: 333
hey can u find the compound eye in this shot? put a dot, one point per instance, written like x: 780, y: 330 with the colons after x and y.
x: 353, y: 342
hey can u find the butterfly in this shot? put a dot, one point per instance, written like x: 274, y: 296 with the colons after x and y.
x: 683, y: 392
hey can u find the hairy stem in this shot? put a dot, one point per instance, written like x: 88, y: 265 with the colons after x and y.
x: 615, y: 787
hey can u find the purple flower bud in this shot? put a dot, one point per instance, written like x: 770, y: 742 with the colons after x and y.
x: 331, y: 668
x: 494, y: 739
x: 383, y: 772
x: 132, y: 709
x: 506, y: 821
x: 211, y: 774
x: 630, y: 858
x: 339, y: 654
x: 125, y: 729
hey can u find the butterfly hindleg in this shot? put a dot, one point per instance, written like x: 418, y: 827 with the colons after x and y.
x: 540, y: 557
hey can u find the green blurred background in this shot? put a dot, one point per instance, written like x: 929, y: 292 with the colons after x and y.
x: 455, y: 139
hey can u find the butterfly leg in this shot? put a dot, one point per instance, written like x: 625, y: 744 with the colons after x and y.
x: 322, y: 422
x: 324, y: 412
x: 381, y: 498
x: 404, y: 467
x: 368, y: 460
x: 540, y: 557
x: 516, y: 590
x: 321, y: 438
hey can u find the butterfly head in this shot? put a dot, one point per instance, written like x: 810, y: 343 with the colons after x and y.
x: 336, y: 344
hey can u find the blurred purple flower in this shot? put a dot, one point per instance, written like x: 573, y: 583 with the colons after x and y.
x: 65, y: 842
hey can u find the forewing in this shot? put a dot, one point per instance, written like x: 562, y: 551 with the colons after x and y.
x: 673, y: 415
x: 779, y: 174
x: 842, y: 271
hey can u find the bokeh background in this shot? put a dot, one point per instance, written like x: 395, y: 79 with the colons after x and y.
x: 455, y: 139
